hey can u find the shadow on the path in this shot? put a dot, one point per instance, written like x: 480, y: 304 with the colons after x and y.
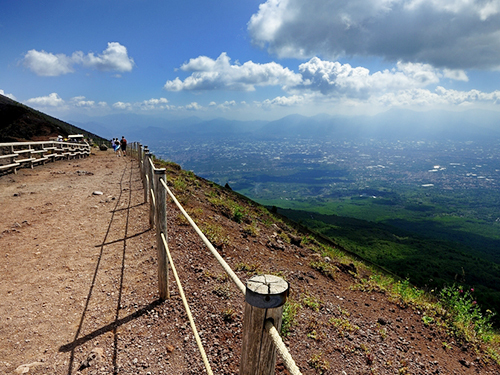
x: 124, y: 239
x: 109, y: 327
x: 78, y: 341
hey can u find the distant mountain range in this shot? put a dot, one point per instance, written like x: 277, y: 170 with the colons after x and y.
x: 394, y: 124
x: 19, y: 122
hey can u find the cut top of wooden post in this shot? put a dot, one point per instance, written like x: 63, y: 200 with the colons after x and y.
x: 266, y: 291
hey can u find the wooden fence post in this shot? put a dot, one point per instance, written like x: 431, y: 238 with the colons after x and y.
x: 145, y: 174
x: 264, y: 299
x: 151, y: 184
x: 161, y: 227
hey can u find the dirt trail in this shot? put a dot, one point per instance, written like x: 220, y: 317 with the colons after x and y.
x: 79, y: 278
x: 77, y: 268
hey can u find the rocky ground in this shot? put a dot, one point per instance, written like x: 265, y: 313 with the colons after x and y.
x: 79, y: 285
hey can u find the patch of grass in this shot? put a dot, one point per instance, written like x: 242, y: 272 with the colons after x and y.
x: 229, y: 315
x: 238, y: 214
x: 179, y: 184
x: 312, y: 302
x: 251, y: 230
x: 375, y: 283
x: 325, y: 268
x: 343, y: 325
x: 229, y: 207
x: 343, y: 312
x: 195, y: 213
x: 248, y: 268
x: 317, y: 363
x: 427, y: 320
x: 284, y: 237
x: 466, y: 316
x: 408, y: 294
x: 216, y: 234
x: 382, y: 332
x: 290, y: 311
x: 223, y: 291
x: 314, y: 331
x: 181, y: 219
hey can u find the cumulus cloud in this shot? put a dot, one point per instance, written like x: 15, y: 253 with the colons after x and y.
x: 113, y: 58
x: 80, y: 101
x: 51, y: 100
x: 47, y: 64
x: 453, y: 34
x: 193, y: 107
x: 284, y: 101
x: 122, y: 105
x: 332, y: 78
x: 153, y: 104
x: 220, y: 74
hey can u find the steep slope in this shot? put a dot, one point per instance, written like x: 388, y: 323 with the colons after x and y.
x: 21, y: 123
x: 341, y: 317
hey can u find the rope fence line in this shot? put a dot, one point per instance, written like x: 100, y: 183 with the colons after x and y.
x: 205, y: 240
x: 186, y: 307
x: 264, y: 295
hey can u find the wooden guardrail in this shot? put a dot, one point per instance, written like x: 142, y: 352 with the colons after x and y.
x: 17, y: 155
x: 264, y: 295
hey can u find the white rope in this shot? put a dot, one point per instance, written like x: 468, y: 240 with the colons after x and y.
x: 222, y: 262
x: 271, y: 330
x: 186, y: 307
x: 152, y: 193
x: 282, y: 349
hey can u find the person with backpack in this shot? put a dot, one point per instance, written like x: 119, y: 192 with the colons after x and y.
x: 123, y: 145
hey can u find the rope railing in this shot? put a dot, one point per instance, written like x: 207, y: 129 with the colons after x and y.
x: 205, y: 240
x: 186, y: 307
x: 264, y: 294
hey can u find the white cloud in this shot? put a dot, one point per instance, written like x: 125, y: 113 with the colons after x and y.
x: 114, y: 58
x: 227, y: 105
x: 10, y: 96
x: 453, y: 34
x: 47, y: 64
x: 336, y: 79
x: 284, y: 101
x: 193, y: 107
x: 51, y: 100
x: 153, y: 104
x: 79, y: 101
x: 468, y: 97
x: 220, y: 74
x: 122, y: 105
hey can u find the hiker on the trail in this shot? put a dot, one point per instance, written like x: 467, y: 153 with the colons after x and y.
x: 117, y: 147
x: 123, y: 144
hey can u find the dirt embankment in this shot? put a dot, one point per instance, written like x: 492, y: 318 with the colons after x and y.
x: 79, y: 278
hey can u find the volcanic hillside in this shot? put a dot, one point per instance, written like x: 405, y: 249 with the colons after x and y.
x: 21, y: 123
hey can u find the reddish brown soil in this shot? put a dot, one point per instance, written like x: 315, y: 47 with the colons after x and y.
x: 79, y: 273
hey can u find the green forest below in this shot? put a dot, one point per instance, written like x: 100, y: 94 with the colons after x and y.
x: 427, y: 262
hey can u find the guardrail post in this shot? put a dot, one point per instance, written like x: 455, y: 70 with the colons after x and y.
x: 161, y: 227
x: 264, y: 299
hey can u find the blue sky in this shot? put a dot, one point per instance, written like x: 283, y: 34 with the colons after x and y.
x: 249, y: 59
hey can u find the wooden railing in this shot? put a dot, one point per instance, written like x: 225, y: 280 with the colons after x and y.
x: 17, y: 155
x: 264, y: 295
